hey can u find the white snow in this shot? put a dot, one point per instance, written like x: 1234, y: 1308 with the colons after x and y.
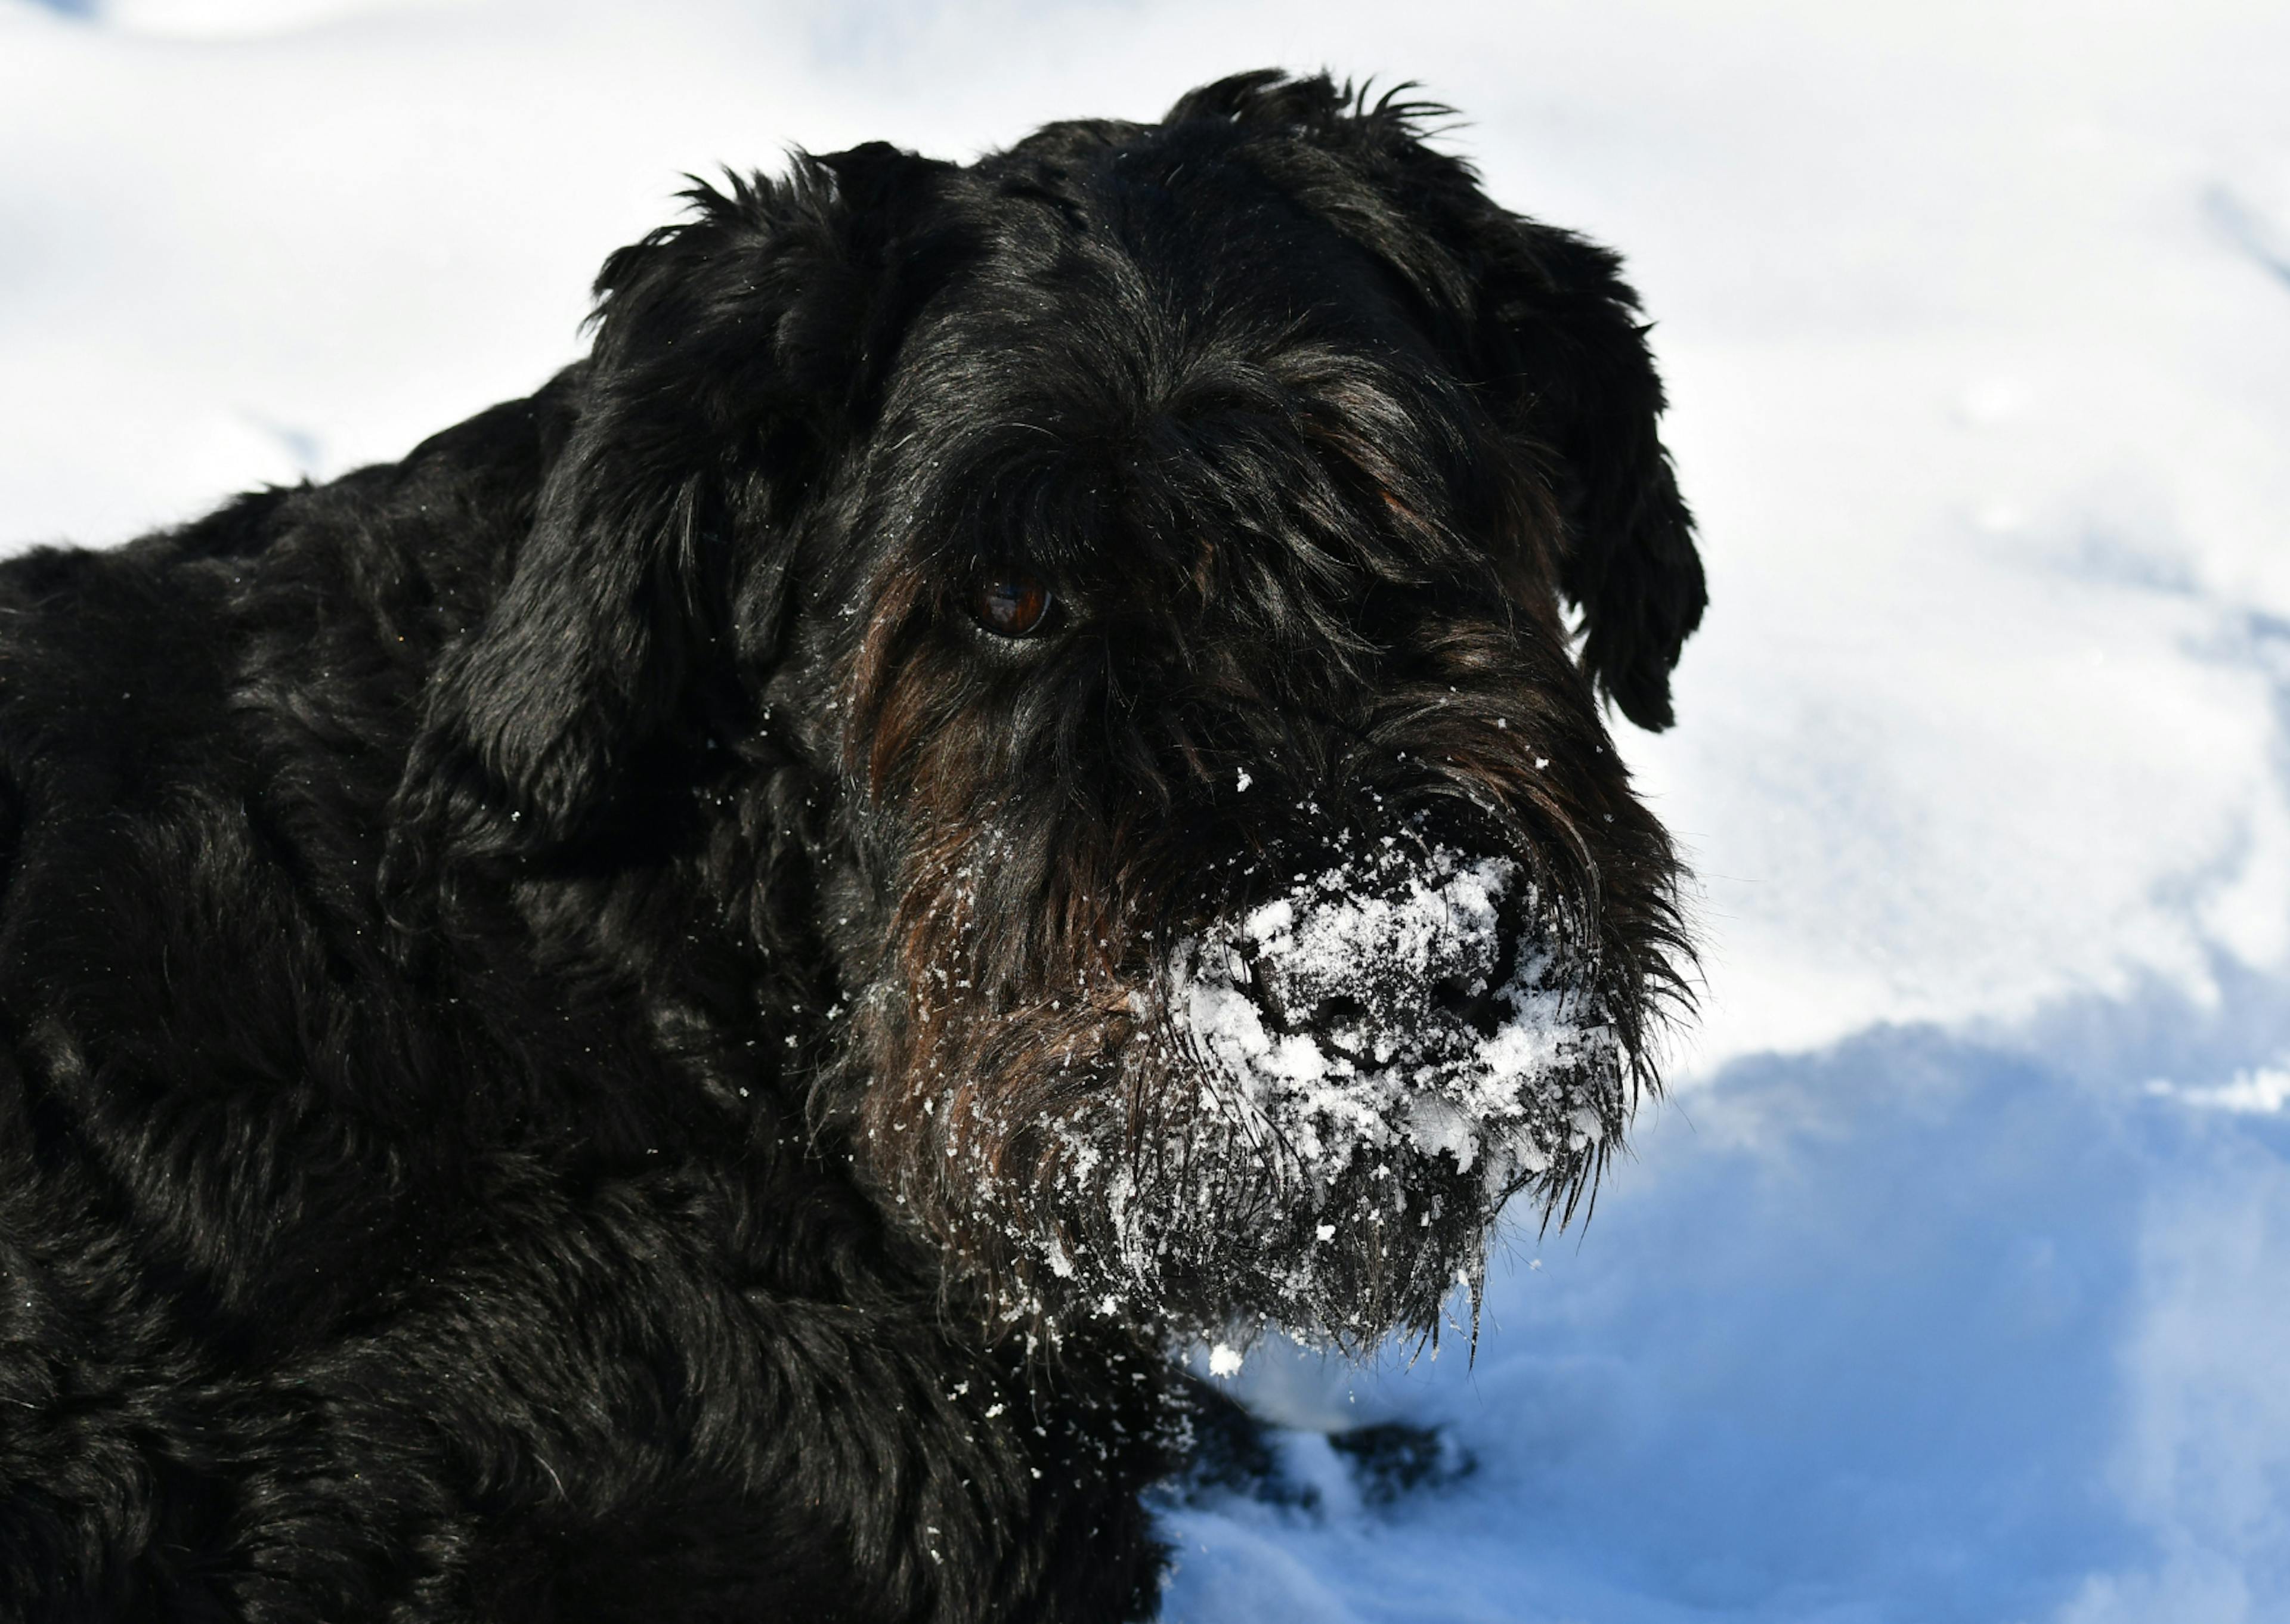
x: 1381, y: 931
x: 2265, y: 1090
x: 1921, y: 1304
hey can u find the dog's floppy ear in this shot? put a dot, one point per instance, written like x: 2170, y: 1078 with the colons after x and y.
x: 1541, y: 321
x: 1558, y: 327
x: 731, y: 351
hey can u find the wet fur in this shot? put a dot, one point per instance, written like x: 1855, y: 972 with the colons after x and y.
x: 542, y: 983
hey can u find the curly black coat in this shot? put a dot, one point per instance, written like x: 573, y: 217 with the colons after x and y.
x: 540, y: 984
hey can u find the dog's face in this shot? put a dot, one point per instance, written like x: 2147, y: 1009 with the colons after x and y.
x: 1147, y: 549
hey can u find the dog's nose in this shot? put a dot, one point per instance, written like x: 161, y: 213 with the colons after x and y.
x: 1366, y: 953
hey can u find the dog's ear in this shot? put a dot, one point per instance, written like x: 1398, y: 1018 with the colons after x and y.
x: 731, y: 350
x: 1545, y: 329
x: 1558, y: 333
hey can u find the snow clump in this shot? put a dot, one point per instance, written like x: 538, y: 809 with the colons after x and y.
x: 1378, y: 1004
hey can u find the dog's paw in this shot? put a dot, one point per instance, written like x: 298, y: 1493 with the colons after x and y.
x: 1232, y: 1455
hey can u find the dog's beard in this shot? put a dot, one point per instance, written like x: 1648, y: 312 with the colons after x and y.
x: 1308, y: 1115
x: 1383, y: 1003
x: 1370, y: 1065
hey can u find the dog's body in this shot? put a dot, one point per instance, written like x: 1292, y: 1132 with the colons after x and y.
x: 659, y: 1010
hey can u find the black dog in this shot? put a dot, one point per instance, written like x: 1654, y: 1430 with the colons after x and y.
x: 665, y: 1009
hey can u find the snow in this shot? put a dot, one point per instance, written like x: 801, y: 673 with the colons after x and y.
x: 1377, y: 934
x: 1953, y: 1282
x: 2266, y: 1089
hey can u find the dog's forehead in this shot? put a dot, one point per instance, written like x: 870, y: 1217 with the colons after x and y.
x: 1165, y: 241
x: 1139, y: 301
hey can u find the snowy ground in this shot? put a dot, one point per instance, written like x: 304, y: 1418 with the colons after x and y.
x: 1954, y: 1282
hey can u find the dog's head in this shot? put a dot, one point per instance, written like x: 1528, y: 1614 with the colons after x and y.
x: 1138, y: 564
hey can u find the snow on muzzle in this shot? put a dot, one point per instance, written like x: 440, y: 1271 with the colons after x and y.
x: 1405, y: 999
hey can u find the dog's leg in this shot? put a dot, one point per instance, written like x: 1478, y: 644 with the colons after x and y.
x: 526, y: 1439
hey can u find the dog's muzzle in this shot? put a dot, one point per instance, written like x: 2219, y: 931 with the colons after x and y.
x: 1401, y: 999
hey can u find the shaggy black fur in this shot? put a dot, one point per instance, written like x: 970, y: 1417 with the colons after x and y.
x: 586, y: 1024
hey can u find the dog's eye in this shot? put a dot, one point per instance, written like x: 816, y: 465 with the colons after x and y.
x: 1015, y: 607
